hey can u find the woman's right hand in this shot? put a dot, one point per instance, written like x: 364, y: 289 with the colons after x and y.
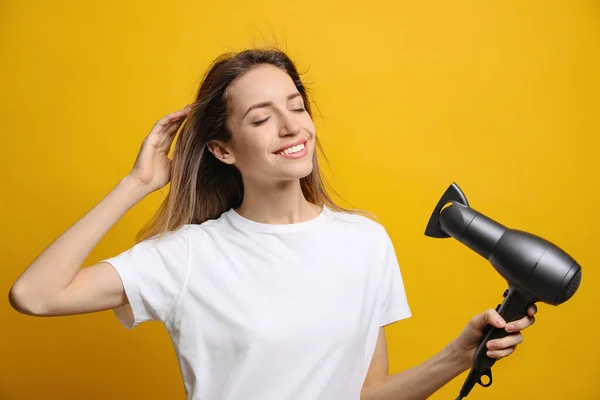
x: 152, y: 167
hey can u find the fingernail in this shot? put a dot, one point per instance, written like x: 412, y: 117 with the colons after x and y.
x: 509, y: 327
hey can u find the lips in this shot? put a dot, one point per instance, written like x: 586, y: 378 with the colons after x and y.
x: 287, y: 146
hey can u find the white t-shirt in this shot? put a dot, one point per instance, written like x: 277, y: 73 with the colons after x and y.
x: 268, y: 312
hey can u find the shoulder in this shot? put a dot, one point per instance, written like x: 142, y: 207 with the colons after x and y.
x: 359, y: 225
x: 173, y: 236
x: 186, y: 232
x: 174, y: 241
x: 211, y: 227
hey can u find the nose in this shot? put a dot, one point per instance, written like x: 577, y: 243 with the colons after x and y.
x: 290, y: 126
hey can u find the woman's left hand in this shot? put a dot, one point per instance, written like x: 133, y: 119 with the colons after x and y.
x: 471, y: 335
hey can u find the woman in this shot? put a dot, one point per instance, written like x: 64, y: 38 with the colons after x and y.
x: 267, y: 288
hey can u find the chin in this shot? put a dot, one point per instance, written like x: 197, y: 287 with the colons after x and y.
x: 297, y: 173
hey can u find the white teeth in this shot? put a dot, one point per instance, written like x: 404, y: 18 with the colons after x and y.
x: 293, y: 149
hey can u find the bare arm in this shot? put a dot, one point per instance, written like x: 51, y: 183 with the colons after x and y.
x: 45, y: 281
x: 54, y: 283
x: 423, y: 380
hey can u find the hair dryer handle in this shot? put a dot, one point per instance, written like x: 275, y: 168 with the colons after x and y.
x: 514, y: 307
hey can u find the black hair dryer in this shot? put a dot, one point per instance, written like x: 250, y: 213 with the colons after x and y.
x: 535, y: 269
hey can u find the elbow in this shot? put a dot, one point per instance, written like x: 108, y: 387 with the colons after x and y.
x: 374, y: 389
x: 24, y: 302
x: 370, y: 392
x: 367, y: 394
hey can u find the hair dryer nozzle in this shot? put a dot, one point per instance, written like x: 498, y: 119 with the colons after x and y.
x: 453, y: 193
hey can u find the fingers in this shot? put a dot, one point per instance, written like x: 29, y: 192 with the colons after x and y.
x: 505, y: 342
x: 165, y: 127
x: 174, y: 118
x: 499, y: 348
x: 169, y: 119
x: 500, y: 353
x: 520, y: 324
x: 491, y: 316
x: 177, y: 114
x: 531, y: 311
x: 173, y: 128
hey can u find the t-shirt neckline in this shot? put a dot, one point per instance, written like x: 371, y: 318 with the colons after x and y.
x: 245, y: 223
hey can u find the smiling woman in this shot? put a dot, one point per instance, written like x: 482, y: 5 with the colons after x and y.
x: 266, y: 132
x: 250, y: 106
x: 268, y: 289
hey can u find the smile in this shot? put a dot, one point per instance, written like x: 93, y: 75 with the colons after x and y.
x: 293, y: 149
x: 297, y: 151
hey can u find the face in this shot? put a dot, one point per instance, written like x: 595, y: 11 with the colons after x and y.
x: 273, y: 136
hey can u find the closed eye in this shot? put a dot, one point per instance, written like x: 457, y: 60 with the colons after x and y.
x: 262, y: 121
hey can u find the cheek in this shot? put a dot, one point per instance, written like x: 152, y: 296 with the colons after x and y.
x: 310, y: 125
x: 251, y: 148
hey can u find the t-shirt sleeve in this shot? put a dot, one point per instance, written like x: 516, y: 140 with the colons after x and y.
x: 153, y: 273
x: 393, y: 304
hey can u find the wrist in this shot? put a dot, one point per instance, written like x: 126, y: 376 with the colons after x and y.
x: 460, y: 356
x: 137, y: 187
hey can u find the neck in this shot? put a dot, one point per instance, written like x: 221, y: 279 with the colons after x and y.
x: 277, y: 203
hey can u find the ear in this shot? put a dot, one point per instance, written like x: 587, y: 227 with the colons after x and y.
x: 221, y: 151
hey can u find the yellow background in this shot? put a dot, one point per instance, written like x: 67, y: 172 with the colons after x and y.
x: 501, y: 97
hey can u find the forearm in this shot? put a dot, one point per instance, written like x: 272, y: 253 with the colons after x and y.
x: 60, y: 262
x: 423, y: 380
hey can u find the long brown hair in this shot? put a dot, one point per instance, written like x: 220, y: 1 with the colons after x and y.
x: 202, y: 187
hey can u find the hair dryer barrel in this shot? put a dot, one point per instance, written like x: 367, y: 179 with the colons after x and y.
x: 536, y: 266
x: 471, y: 228
x: 526, y: 261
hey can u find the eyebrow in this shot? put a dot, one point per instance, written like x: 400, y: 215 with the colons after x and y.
x: 269, y: 103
